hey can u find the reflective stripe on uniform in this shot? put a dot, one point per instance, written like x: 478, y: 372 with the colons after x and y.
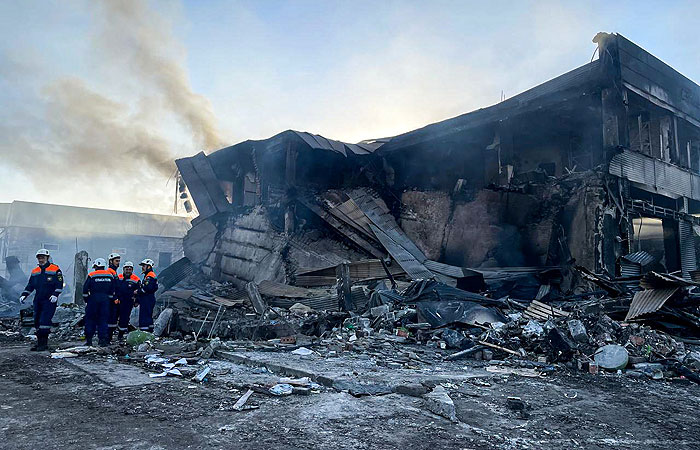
x: 123, y: 329
x: 112, y: 325
x: 143, y: 328
x: 44, y: 327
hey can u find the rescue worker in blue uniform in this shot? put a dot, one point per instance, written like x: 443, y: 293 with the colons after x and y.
x: 47, y: 281
x: 98, y: 292
x: 113, y: 261
x: 128, y: 284
x: 147, y: 295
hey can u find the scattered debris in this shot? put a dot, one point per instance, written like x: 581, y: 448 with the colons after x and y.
x: 240, y: 404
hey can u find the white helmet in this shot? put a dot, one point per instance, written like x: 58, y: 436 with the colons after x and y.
x: 128, y: 264
x: 99, y: 262
x: 147, y: 262
x: 42, y: 251
x: 114, y: 255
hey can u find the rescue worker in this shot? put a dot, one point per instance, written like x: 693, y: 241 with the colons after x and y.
x: 114, y: 260
x: 147, y: 295
x: 47, y: 281
x: 98, y: 292
x: 128, y: 285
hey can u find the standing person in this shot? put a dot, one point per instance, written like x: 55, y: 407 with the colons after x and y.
x: 98, y: 292
x: 128, y: 285
x: 147, y: 295
x: 47, y: 281
x: 114, y: 260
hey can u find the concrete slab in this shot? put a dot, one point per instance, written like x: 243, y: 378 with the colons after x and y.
x: 114, y: 373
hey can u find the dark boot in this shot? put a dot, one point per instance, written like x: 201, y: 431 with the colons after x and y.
x: 120, y: 336
x: 35, y: 345
x: 88, y: 341
x: 110, y: 334
x: 103, y: 342
x: 42, y: 342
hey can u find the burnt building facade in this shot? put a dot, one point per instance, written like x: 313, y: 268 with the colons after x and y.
x: 596, y: 164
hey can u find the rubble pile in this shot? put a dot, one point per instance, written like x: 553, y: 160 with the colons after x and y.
x: 424, y: 322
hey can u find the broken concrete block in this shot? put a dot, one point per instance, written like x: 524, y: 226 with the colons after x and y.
x: 202, y: 374
x: 301, y: 309
x: 162, y: 322
x: 577, y: 331
x: 209, y: 350
x: 439, y: 402
x: 379, y: 311
x: 533, y: 329
x: 412, y: 389
x: 692, y: 360
x: 611, y: 357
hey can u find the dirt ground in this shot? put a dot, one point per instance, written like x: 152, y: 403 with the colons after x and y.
x: 97, y: 402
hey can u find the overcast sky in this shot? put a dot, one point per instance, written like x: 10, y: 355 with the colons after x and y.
x: 98, y: 99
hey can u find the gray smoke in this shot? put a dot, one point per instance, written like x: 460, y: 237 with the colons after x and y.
x: 131, y: 32
x: 78, y: 135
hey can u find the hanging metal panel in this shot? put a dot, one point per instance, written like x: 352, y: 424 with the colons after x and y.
x: 687, y: 248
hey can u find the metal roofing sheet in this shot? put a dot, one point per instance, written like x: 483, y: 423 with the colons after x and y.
x: 655, y: 174
x: 642, y: 258
x: 687, y: 248
x: 650, y: 300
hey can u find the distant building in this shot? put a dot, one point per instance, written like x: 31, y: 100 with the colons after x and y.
x: 64, y: 230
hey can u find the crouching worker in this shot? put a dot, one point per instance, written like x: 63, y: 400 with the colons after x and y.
x: 98, y: 292
x: 47, y: 281
x: 147, y: 295
x: 128, y: 285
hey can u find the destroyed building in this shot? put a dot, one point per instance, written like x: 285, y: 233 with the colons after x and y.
x: 593, y: 165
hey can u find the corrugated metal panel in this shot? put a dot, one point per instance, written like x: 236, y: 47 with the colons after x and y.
x: 634, y: 167
x: 695, y: 275
x: 630, y: 269
x: 405, y: 259
x: 174, y: 273
x: 653, y: 280
x: 642, y: 258
x: 648, y: 301
x: 655, y: 174
x: 446, y: 269
x: 542, y: 311
x: 670, y: 178
x: 687, y: 247
x: 327, y: 303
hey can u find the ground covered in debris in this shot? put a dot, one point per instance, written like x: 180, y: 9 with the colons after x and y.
x: 96, y: 401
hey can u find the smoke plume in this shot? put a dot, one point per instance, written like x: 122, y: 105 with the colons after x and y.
x: 113, y: 129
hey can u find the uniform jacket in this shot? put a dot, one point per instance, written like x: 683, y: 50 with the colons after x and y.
x: 46, y: 280
x: 99, y: 285
x: 127, y: 288
x: 149, y: 286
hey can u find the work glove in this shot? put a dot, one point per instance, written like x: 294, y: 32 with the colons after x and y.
x: 116, y: 302
x: 22, y: 298
x: 53, y: 299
